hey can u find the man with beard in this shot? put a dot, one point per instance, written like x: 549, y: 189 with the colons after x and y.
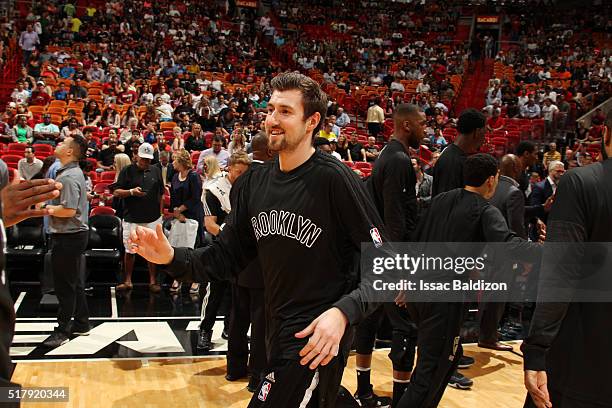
x: 392, y: 188
x: 305, y: 215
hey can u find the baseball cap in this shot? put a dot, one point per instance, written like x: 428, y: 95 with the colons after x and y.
x: 40, y: 83
x: 12, y: 105
x: 145, y: 151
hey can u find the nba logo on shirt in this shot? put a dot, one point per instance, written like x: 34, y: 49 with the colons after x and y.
x: 264, y: 390
x: 376, y: 237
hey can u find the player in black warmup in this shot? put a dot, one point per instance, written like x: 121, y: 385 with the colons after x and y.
x: 392, y: 188
x: 459, y: 215
x: 567, y: 352
x: 448, y: 175
x: 305, y: 216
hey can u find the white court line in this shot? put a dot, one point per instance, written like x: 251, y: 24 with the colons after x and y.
x: 19, y: 300
x: 114, y: 313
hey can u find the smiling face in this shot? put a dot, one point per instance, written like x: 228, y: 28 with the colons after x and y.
x: 285, y: 124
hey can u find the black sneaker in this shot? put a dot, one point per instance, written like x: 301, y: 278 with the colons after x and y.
x: 460, y: 381
x: 205, y: 340
x: 465, y: 362
x: 373, y: 400
x: 81, y: 330
x: 56, y: 339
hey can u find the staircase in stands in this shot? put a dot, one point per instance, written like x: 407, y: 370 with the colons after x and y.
x: 476, y: 81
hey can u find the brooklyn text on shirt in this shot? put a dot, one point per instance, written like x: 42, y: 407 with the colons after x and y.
x: 286, y: 224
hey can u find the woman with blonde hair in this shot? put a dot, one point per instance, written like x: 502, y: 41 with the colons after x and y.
x: 121, y: 161
x: 178, y: 143
x: 185, y: 203
x: 211, y: 169
x: 238, y: 142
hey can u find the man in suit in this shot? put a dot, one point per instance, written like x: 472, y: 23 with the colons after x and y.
x: 510, y: 200
x: 544, y: 191
x: 165, y: 166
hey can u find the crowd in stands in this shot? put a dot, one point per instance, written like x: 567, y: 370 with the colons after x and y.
x: 185, y: 85
x: 181, y: 76
x: 559, y: 71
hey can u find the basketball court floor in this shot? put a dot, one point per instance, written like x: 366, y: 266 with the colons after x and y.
x: 142, y: 353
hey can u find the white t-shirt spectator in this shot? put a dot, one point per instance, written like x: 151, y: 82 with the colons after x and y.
x: 20, y: 97
x: 28, y: 170
x: 222, y: 158
x: 165, y: 111
x: 548, y: 112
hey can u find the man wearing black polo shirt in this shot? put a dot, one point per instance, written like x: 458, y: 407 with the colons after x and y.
x: 69, y: 235
x: 141, y: 187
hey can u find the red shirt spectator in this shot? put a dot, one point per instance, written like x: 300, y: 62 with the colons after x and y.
x: 40, y: 97
x: 495, y: 122
x: 128, y: 96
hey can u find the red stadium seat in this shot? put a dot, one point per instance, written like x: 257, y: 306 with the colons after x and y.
x: 363, y: 166
x: 17, y: 147
x: 107, y: 176
x: 102, y: 210
x: 101, y: 187
x: 41, y: 148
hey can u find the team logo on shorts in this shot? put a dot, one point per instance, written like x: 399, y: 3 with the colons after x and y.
x: 264, y: 390
x: 376, y: 237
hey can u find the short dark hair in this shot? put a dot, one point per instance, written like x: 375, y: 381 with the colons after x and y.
x: 218, y: 138
x: 320, y: 141
x: 402, y: 111
x: 313, y: 97
x: 79, y: 143
x: 259, y: 143
x: 470, y: 120
x: 525, y: 146
x: 31, y: 147
x: 478, y: 168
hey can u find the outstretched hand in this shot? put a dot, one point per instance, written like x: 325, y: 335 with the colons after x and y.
x: 536, y: 384
x: 325, y: 333
x: 151, y: 245
x: 18, y: 198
